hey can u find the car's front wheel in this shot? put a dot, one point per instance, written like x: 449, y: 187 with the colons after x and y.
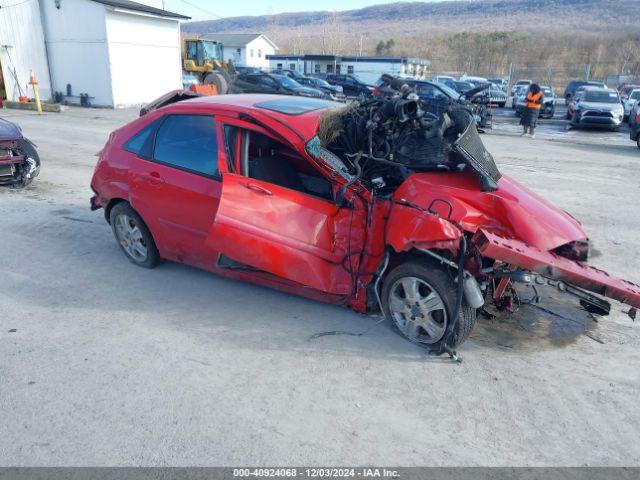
x: 638, y: 141
x: 133, y: 236
x: 419, y: 298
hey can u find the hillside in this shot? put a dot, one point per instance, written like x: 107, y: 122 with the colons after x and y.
x: 439, y: 18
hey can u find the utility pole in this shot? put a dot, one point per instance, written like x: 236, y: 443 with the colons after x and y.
x: 360, y: 50
x: 587, y: 71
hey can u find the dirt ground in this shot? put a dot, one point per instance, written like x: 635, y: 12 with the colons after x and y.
x: 104, y: 363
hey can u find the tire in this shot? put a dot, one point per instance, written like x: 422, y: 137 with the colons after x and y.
x: 638, y: 141
x: 131, y: 232
x: 502, y: 104
x: 214, y: 78
x: 27, y: 148
x: 430, y: 278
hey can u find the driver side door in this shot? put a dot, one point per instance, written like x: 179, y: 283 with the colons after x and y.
x: 267, y: 219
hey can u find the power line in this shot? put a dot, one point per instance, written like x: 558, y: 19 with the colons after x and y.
x: 197, y: 8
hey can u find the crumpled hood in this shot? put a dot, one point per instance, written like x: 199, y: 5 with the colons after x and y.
x: 9, y: 131
x: 512, y: 211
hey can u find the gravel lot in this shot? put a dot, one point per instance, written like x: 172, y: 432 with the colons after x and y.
x: 110, y: 364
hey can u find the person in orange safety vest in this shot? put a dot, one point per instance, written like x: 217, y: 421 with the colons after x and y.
x: 531, y: 110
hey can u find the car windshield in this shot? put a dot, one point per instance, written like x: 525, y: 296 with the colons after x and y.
x: 320, y: 82
x: 547, y: 91
x: 286, y: 81
x: 356, y: 78
x: 635, y: 95
x: 600, y: 96
x: 448, y: 90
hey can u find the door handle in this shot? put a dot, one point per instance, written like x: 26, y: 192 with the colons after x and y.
x: 258, y: 188
x: 154, y: 178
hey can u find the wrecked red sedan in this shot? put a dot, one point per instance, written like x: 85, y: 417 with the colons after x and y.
x: 370, y: 205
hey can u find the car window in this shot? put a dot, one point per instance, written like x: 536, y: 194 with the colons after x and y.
x: 188, y: 142
x: 136, y: 143
x: 270, y: 161
x: 635, y: 95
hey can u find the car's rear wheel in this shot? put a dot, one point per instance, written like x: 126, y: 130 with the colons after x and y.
x: 419, y: 299
x: 638, y: 141
x: 133, y: 236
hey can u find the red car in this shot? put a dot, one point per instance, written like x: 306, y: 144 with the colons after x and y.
x: 241, y: 186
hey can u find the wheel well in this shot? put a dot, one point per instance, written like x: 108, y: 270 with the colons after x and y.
x: 112, y: 203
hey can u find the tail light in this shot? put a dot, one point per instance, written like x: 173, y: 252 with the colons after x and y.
x: 638, y: 116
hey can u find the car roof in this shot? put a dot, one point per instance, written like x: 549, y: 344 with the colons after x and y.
x: 286, y: 109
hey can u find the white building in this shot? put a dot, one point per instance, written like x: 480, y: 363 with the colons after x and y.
x: 112, y: 52
x: 22, y: 50
x: 246, y: 49
x: 368, y: 69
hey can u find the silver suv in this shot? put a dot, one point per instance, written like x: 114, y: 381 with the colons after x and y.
x: 597, y: 106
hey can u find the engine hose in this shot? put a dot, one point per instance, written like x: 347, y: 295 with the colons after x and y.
x: 459, y: 296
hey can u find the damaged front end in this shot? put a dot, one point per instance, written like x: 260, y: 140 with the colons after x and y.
x: 19, y: 160
x: 448, y: 201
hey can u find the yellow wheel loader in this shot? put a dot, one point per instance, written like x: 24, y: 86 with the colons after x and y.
x: 203, y: 58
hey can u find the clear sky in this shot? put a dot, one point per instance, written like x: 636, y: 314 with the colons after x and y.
x: 211, y: 9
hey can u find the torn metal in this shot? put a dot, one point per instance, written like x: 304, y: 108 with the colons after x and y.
x: 19, y: 160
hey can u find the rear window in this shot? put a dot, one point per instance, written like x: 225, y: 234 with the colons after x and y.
x: 296, y: 105
x: 136, y: 143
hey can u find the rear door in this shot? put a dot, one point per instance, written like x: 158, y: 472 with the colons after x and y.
x: 277, y: 215
x: 176, y: 184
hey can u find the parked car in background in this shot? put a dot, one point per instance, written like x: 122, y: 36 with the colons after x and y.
x: 599, y: 107
x: 295, y: 74
x: 442, y: 79
x: 497, y: 96
x: 634, y: 123
x: 351, y: 84
x: 573, y: 85
x: 632, y: 98
x: 273, y: 83
x: 244, y: 70
x: 19, y: 159
x: 457, y: 85
x: 437, y: 97
x: 334, y: 91
x: 500, y: 82
x: 625, y: 90
x: 517, y: 92
x: 520, y: 84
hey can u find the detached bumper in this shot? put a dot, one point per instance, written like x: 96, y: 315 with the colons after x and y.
x: 526, y: 257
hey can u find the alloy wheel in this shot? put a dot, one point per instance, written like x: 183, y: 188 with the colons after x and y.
x: 130, y: 237
x: 417, y: 310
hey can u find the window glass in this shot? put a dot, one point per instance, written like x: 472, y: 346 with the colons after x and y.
x: 188, y: 142
x: 349, y: 68
x: 270, y: 161
x: 192, y: 50
x: 136, y: 143
x: 316, y: 68
x: 231, y: 145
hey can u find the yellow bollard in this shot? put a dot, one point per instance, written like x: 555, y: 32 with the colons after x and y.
x: 36, y: 93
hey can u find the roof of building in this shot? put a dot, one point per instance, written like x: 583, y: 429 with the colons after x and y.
x: 139, y: 7
x: 340, y: 58
x: 236, y: 39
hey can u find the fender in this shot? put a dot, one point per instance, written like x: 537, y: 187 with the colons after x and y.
x: 411, y: 226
